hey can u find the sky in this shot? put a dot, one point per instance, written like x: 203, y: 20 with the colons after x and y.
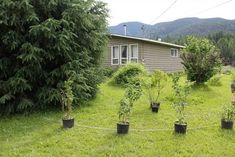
x: 149, y: 11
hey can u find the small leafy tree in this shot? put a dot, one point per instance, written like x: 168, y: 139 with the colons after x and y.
x: 228, y: 112
x: 180, y: 99
x: 132, y: 94
x: 133, y: 90
x: 67, y: 99
x: 124, y: 111
x: 201, y: 60
x: 155, y: 84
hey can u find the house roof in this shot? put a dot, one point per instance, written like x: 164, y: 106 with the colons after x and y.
x: 148, y: 40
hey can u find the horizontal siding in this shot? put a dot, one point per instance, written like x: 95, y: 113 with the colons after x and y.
x: 159, y: 57
x: 154, y: 56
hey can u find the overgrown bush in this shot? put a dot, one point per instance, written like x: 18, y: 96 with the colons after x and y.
x: 215, y: 81
x: 201, y: 60
x: 227, y: 70
x: 107, y: 71
x: 42, y: 44
x: 124, y: 74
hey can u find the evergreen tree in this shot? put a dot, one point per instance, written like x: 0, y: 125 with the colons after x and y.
x: 44, y: 42
x: 226, y: 43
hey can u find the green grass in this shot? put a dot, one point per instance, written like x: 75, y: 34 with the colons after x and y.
x: 41, y: 134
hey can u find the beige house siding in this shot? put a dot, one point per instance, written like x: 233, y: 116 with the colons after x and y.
x: 159, y: 57
x: 153, y: 56
x: 120, y: 41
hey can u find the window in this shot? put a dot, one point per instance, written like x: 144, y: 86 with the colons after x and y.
x: 174, y: 52
x: 115, y: 55
x: 124, y: 54
x: 133, y: 54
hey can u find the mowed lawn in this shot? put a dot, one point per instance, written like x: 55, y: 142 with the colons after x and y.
x: 150, y: 134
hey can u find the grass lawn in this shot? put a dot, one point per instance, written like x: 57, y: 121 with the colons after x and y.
x: 150, y: 134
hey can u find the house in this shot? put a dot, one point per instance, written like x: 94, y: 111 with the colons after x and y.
x: 152, y: 53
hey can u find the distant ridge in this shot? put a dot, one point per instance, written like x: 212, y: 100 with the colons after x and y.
x: 180, y: 27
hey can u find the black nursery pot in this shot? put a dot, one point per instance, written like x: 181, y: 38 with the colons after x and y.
x: 226, y: 124
x: 68, y: 123
x: 180, y: 128
x: 233, y: 103
x: 122, y: 128
x: 233, y: 86
x: 155, y: 106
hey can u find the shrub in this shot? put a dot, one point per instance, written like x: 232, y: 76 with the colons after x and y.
x: 124, y: 111
x: 154, y: 85
x: 124, y: 74
x: 180, y: 99
x: 133, y: 90
x: 226, y: 70
x: 201, y: 60
x: 215, y: 81
x: 228, y: 113
x: 67, y: 99
x: 45, y: 43
x: 107, y: 71
x: 132, y: 94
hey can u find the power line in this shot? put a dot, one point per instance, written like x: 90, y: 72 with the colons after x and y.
x: 216, y: 6
x: 145, y: 32
x: 167, y: 9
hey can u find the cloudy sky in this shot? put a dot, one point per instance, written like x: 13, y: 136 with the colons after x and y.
x: 152, y: 11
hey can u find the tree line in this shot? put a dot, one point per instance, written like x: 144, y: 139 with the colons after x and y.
x: 224, y: 42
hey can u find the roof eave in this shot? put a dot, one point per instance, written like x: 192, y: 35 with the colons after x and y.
x: 149, y: 40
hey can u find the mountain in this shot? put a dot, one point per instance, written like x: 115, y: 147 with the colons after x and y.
x: 180, y: 27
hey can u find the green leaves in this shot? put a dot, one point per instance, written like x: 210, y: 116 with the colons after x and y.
x: 228, y: 113
x: 201, y: 60
x: 45, y: 42
x: 67, y: 98
x: 18, y: 85
x: 124, y: 111
x: 30, y: 53
x: 124, y: 74
x: 132, y: 94
x: 180, y: 98
x: 5, y: 98
x: 226, y: 44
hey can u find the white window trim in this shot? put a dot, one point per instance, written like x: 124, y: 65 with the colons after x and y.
x: 137, y: 52
x: 120, y: 53
x: 112, y: 54
x: 177, y: 52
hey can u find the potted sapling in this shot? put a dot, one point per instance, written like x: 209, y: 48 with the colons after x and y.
x: 67, y: 100
x: 124, y: 115
x: 158, y: 82
x: 233, y: 83
x: 132, y: 94
x: 233, y: 99
x: 180, y: 101
x: 228, y: 117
